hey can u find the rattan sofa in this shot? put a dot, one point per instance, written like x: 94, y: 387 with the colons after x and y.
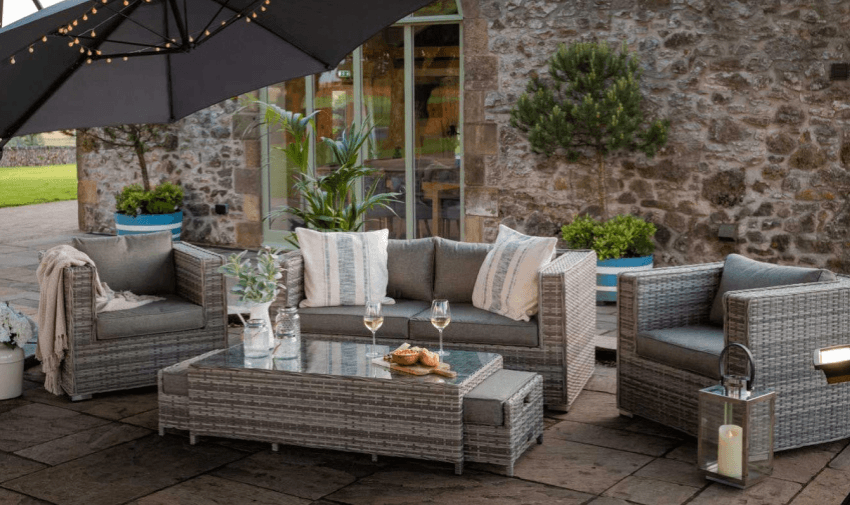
x: 563, y: 345
x: 782, y: 326
x: 96, y: 363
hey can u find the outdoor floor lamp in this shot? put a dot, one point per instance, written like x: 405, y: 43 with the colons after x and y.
x: 834, y: 362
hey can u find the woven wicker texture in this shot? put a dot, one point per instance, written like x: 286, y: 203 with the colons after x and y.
x: 782, y: 327
x: 96, y: 366
x: 339, y: 408
x: 503, y: 445
x: 567, y: 325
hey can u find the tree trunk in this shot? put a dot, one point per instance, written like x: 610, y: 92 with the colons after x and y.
x: 140, y: 153
x: 603, y: 184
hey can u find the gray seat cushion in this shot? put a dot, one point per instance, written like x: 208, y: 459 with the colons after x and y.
x: 143, y: 264
x: 410, y: 264
x: 740, y: 272
x: 693, y: 348
x: 170, y: 315
x: 471, y: 325
x: 348, y: 319
x: 485, y: 404
x: 456, y: 266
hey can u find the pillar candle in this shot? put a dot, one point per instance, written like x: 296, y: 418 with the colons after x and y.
x: 730, y: 444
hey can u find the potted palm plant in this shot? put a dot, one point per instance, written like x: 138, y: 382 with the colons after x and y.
x: 330, y: 202
x: 623, y: 243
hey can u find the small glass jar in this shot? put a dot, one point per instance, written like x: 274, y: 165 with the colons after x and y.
x: 287, y: 334
x: 254, y: 341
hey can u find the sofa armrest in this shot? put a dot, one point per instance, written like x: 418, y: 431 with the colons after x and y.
x: 292, y: 268
x: 664, y: 298
x: 199, y: 281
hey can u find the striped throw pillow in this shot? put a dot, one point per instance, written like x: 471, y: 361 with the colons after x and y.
x: 343, y: 268
x: 507, y: 283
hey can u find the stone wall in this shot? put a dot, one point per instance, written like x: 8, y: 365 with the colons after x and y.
x: 760, y: 136
x: 38, y: 156
x: 213, y: 154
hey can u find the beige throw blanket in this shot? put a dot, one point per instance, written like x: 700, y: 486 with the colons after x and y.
x: 52, y: 332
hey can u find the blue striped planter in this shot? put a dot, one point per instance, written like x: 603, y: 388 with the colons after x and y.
x: 150, y: 223
x: 607, y: 271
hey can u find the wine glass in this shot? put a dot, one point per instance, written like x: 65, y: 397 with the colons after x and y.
x: 373, y: 318
x: 441, y: 316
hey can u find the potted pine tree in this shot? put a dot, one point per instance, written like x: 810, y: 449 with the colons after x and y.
x: 623, y: 243
x: 141, y: 208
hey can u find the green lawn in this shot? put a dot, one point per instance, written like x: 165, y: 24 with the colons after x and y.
x: 28, y: 185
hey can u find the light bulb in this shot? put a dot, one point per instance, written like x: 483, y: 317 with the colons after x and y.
x: 126, y: 3
x: 89, y: 52
x: 168, y: 45
x: 12, y: 60
x: 207, y: 33
x: 82, y: 49
x: 125, y: 58
x: 70, y: 28
x: 31, y: 49
x: 254, y: 15
x: 85, y: 17
x: 247, y: 20
x: 108, y: 60
x: 74, y: 23
x: 98, y: 52
x: 223, y: 23
x: 94, y: 10
x: 263, y: 8
x: 268, y: 2
x: 104, y: 1
x: 71, y: 44
x: 88, y: 61
x: 44, y: 39
x: 157, y: 49
x: 76, y: 40
x: 93, y: 34
x: 191, y: 39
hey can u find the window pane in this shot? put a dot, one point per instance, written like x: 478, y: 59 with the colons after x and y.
x: 335, y: 103
x: 437, y: 136
x: 291, y: 96
x: 438, y: 8
x: 383, y: 103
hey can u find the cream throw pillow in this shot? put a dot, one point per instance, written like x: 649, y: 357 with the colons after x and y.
x: 507, y: 283
x: 342, y: 268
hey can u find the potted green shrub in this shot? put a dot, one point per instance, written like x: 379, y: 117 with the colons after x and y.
x: 623, y: 243
x: 141, y: 208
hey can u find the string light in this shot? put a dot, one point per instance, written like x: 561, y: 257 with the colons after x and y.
x: 98, y: 52
x: 31, y: 50
x: 207, y: 33
x: 88, y: 61
x: 82, y: 50
x: 94, y: 10
x: 126, y: 3
x: 85, y: 17
x: 126, y: 58
x: 263, y: 8
x: 108, y: 60
x: 44, y: 39
x: 191, y: 39
x: 247, y: 20
x: 70, y: 27
x: 12, y: 61
x: 71, y: 44
x: 254, y: 15
x: 74, y: 23
x: 76, y: 40
x: 93, y: 34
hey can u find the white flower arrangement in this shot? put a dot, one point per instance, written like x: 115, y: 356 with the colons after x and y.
x: 15, y: 329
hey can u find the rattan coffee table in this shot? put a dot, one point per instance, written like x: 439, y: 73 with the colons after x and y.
x: 333, y: 397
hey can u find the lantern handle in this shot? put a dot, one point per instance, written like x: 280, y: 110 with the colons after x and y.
x: 751, y: 365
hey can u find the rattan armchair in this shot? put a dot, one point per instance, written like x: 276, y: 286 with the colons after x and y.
x: 93, y: 365
x: 782, y: 326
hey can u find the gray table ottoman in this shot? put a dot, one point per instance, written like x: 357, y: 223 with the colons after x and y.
x: 502, y: 417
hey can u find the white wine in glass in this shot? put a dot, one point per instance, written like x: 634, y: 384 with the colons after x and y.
x: 373, y: 318
x: 441, y: 316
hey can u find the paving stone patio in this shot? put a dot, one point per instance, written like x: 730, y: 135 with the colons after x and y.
x: 106, y: 450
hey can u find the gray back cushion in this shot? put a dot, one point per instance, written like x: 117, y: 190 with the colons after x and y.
x: 743, y: 273
x: 143, y: 264
x: 456, y: 266
x: 411, y: 269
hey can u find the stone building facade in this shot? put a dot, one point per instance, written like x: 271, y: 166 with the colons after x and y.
x: 759, y: 136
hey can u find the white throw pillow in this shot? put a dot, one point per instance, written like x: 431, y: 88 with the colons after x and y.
x: 507, y: 283
x: 342, y: 268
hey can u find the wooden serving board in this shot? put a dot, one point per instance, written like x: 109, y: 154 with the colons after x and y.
x: 442, y: 369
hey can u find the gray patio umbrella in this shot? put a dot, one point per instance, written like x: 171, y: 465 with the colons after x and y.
x: 86, y: 63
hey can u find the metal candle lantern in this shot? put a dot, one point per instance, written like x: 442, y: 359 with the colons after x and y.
x: 736, y: 428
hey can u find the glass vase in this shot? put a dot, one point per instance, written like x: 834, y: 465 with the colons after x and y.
x: 287, y: 334
x: 254, y: 339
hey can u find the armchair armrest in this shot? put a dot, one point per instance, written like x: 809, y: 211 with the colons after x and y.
x: 199, y: 281
x: 782, y: 326
x: 292, y: 268
x: 80, y: 307
x: 664, y: 298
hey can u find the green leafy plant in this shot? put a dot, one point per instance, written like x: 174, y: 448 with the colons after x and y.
x: 590, y: 102
x: 624, y: 236
x: 256, y: 283
x: 163, y: 199
x: 329, y: 202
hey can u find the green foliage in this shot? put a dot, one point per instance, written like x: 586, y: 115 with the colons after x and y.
x: 329, y: 202
x: 163, y: 199
x: 624, y: 236
x: 139, y: 138
x: 257, y: 284
x: 591, y: 101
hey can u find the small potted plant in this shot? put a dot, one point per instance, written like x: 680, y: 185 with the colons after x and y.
x: 16, y: 330
x: 623, y: 243
x: 257, y: 284
x: 138, y: 210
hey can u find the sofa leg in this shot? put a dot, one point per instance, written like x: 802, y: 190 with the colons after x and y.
x: 275, y: 447
x: 540, y: 439
x: 459, y: 468
x: 626, y: 413
x: 80, y: 398
x: 161, y: 431
x: 193, y: 439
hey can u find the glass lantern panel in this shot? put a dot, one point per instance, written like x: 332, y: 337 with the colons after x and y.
x: 736, y: 436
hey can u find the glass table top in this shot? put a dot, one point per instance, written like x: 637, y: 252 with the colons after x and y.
x: 346, y: 359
